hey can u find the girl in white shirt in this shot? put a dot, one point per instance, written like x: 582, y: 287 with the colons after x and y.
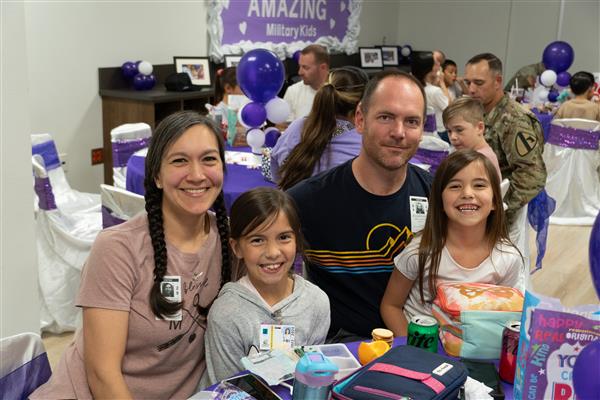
x: 465, y: 239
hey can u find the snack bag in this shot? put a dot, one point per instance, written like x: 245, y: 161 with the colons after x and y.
x: 551, y: 338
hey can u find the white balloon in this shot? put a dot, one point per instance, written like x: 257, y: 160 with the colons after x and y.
x: 255, y: 139
x: 145, y: 68
x: 548, y: 77
x: 277, y: 110
x: 405, y: 51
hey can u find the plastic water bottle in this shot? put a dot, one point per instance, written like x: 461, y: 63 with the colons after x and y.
x: 314, y: 377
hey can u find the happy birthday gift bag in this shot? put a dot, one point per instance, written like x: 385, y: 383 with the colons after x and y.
x: 551, y: 338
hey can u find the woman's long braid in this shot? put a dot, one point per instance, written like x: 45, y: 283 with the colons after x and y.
x: 223, y: 227
x: 159, y: 304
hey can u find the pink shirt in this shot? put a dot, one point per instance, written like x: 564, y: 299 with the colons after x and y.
x: 489, y: 153
x: 163, y: 359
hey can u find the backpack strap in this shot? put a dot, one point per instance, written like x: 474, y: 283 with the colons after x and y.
x: 426, y: 379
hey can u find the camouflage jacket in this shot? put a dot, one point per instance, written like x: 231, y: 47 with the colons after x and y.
x: 516, y: 136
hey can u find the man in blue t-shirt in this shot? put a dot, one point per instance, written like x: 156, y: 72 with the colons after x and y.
x: 358, y: 216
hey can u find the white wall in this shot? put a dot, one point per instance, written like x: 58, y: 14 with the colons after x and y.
x: 19, y: 302
x: 514, y: 30
x: 378, y: 20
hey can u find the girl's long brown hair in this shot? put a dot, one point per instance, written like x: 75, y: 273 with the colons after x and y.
x: 337, y: 98
x: 433, y: 236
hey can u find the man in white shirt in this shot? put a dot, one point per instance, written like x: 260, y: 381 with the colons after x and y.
x: 313, y: 69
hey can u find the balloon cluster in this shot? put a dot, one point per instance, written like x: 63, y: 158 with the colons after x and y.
x: 139, y: 73
x: 557, y: 58
x: 260, y: 75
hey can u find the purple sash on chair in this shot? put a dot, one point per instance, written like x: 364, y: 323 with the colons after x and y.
x: 573, y: 138
x: 48, y: 152
x: 430, y: 157
x: 21, y: 382
x: 123, y: 149
x: 108, y: 219
x: 43, y: 189
x: 430, y: 124
x: 538, y: 213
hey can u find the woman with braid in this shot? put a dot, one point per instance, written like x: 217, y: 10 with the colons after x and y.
x: 326, y: 137
x: 148, y: 283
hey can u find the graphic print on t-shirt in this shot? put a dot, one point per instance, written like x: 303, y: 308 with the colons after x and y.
x: 194, y: 316
x: 383, y: 242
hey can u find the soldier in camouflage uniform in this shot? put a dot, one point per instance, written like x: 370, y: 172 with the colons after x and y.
x: 525, y: 76
x: 518, y: 141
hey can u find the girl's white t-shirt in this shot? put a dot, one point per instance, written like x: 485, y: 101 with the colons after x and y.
x: 436, y: 103
x: 502, y: 268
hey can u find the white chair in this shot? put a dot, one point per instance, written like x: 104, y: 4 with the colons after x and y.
x: 432, y: 151
x: 125, y: 140
x: 24, y: 365
x: 67, y: 199
x: 64, y: 240
x: 119, y: 205
x: 572, y: 162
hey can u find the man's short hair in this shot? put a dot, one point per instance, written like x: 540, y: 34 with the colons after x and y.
x: 470, y: 109
x: 448, y: 63
x: 373, y: 84
x: 580, y: 82
x: 320, y: 53
x: 494, y: 62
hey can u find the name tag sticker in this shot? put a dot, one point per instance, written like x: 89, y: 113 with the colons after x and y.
x: 170, y: 288
x: 276, y: 337
x: 418, y: 212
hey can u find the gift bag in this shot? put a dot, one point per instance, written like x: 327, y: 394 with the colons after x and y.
x: 551, y: 337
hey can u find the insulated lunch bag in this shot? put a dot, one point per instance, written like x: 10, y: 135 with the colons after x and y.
x: 404, y: 372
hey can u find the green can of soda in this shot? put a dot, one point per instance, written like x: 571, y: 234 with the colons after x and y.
x: 423, y: 333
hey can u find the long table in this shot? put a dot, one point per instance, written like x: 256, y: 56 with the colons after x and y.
x: 238, y: 178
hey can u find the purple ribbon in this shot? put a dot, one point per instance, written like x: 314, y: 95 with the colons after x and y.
x: 430, y: 124
x: 21, y: 382
x: 108, y: 219
x: 573, y: 138
x: 48, y: 152
x: 538, y: 213
x: 43, y: 189
x: 430, y: 157
x: 123, y: 149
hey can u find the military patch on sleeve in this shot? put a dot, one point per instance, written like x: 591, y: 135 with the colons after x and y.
x: 525, y: 143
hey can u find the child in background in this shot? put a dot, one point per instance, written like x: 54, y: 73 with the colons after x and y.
x: 463, y: 120
x: 226, y: 87
x: 465, y: 239
x: 265, y: 235
x: 455, y: 85
x: 582, y: 86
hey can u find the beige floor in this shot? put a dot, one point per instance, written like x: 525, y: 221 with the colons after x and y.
x: 565, y: 274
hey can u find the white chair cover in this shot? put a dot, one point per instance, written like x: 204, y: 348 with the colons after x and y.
x: 573, y: 179
x: 24, y: 365
x: 126, y: 139
x: 432, y: 151
x: 67, y: 199
x: 64, y: 240
x: 119, y: 205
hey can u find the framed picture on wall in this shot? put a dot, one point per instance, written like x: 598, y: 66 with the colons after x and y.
x: 197, y: 68
x: 389, y: 55
x: 370, y: 57
x: 232, y: 61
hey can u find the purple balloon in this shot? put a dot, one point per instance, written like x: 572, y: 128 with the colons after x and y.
x: 563, y: 79
x: 129, y: 70
x: 140, y: 82
x: 296, y: 56
x: 553, y: 96
x: 254, y: 114
x: 595, y: 255
x: 260, y: 75
x: 587, y: 370
x: 271, y: 136
x: 558, y: 56
x: 150, y: 81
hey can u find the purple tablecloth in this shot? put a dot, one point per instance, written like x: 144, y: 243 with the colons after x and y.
x: 238, y: 178
x: 545, y: 119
